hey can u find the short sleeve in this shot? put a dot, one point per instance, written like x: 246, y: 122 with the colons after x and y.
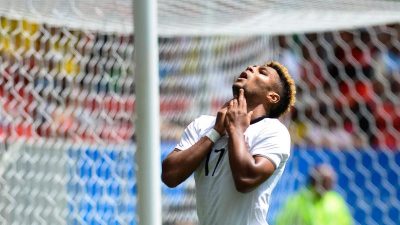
x: 273, y: 145
x: 190, y: 136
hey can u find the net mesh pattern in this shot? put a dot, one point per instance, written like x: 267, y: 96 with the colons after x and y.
x: 67, y: 101
x: 213, y: 17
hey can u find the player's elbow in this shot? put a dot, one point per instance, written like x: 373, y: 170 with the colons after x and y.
x: 247, y: 183
x: 243, y: 189
x: 167, y: 175
x: 169, y: 178
x: 243, y: 185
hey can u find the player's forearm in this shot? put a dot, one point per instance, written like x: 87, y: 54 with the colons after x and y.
x: 177, y: 167
x: 241, y: 161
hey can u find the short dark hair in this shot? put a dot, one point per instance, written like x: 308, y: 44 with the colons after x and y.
x: 287, y: 93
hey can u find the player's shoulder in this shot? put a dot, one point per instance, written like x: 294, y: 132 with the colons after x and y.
x: 267, y: 128
x: 275, y: 125
x: 204, y: 121
x: 205, y: 118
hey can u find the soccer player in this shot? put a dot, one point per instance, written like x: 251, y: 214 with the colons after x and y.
x: 238, y: 156
x: 316, y: 204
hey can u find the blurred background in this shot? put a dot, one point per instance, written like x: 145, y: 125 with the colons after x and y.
x: 67, y: 100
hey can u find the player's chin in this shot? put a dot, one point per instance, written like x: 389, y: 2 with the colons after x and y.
x: 236, y: 88
x: 239, y: 83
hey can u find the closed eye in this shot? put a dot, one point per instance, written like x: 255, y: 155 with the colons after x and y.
x: 263, y: 71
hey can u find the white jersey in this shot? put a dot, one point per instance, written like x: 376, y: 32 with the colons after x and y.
x: 218, y: 201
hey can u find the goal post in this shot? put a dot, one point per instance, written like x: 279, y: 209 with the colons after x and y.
x: 148, y: 123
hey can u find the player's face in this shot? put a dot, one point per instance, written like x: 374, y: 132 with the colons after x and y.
x: 256, y: 81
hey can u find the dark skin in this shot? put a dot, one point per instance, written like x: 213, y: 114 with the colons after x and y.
x: 255, y: 91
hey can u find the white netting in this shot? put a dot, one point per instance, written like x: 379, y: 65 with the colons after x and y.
x: 67, y: 99
x: 213, y: 17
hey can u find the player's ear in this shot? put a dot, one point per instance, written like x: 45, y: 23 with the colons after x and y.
x: 273, y: 97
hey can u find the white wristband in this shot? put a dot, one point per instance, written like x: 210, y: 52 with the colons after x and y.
x: 213, y: 135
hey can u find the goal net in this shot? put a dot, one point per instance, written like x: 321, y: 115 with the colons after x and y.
x: 67, y: 100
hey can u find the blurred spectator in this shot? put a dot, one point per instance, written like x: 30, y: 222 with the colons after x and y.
x: 288, y: 57
x: 297, y: 128
x: 391, y: 59
x: 316, y: 204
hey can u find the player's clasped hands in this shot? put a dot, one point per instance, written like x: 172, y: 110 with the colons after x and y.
x: 233, y: 115
x: 237, y: 116
x: 220, y: 121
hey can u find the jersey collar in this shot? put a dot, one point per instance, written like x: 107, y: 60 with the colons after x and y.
x: 258, y: 119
